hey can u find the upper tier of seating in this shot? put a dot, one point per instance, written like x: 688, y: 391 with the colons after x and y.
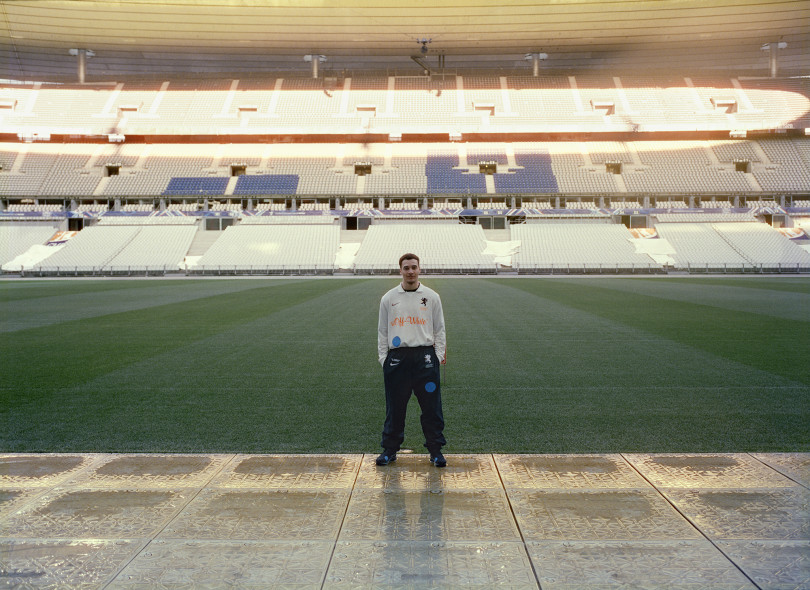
x: 242, y: 170
x: 441, y: 104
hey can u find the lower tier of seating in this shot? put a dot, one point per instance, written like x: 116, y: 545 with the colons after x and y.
x: 255, y: 246
x: 731, y: 246
x: 608, y: 247
x: 111, y: 249
x: 442, y: 247
x: 273, y: 248
x: 17, y: 238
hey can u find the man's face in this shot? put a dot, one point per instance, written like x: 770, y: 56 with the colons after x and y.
x: 410, y: 273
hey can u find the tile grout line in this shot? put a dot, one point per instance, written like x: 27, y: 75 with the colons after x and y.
x: 152, y: 539
x: 342, y: 521
x: 515, y: 520
x: 63, y: 484
x: 692, y: 523
x: 229, y: 460
x: 785, y: 475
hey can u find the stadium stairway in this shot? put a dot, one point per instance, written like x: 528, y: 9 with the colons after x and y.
x: 202, y: 241
x: 323, y: 521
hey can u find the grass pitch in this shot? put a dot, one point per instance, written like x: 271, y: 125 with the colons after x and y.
x: 535, y: 365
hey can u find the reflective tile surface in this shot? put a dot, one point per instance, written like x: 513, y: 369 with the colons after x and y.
x: 708, y: 471
x: 323, y: 521
x: 151, y: 471
x: 436, y: 515
x: 392, y: 564
x: 63, y: 563
x: 414, y: 472
x: 778, y: 514
x: 261, y: 515
x: 794, y: 465
x: 608, y: 515
x: 77, y: 513
x: 227, y: 564
x: 585, y: 565
x: 289, y: 471
x: 771, y: 564
x: 568, y: 472
x: 13, y: 498
x: 41, y: 471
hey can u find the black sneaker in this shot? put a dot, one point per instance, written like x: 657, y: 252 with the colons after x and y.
x: 386, y: 458
x: 438, y: 459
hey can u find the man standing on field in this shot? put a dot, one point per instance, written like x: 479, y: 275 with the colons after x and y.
x: 411, y: 344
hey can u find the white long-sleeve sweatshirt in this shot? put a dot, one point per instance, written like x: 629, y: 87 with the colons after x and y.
x: 411, y: 318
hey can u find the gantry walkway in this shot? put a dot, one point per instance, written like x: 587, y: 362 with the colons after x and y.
x: 334, y: 521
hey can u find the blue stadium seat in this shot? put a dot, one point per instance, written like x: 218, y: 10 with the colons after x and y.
x: 267, y: 184
x: 536, y: 175
x: 442, y: 179
x: 192, y: 185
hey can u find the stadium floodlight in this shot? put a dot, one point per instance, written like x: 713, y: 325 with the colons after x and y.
x: 81, y: 62
x: 536, y: 58
x: 773, y: 49
x: 315, y: 60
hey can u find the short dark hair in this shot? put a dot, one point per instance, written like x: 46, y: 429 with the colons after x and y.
x: 408, y: 256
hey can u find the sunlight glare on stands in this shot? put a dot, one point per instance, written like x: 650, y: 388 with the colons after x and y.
x: 264, y: 247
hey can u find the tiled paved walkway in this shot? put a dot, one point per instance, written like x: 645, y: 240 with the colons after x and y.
x: 313, y: 521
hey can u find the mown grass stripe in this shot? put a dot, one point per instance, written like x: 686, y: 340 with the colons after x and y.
x: 292, y: 368
x: 276, y: 381
x: 771, y: 344
x: 76, y: 351
x: 790, y: 284
x: 42, y: 311
x: 36, y: 289
x: 737, y: 297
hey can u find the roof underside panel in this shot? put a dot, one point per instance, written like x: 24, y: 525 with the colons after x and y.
x: 130, y: 37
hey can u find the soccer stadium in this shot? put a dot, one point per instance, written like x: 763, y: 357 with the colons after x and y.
x: 202, y: 203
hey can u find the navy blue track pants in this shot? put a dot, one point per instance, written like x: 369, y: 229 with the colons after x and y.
x: 409, y: 371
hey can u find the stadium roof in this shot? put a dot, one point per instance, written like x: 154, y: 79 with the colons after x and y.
x: 215, y: 37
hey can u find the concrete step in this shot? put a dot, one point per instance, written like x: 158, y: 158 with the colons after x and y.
x: 202, y: 241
